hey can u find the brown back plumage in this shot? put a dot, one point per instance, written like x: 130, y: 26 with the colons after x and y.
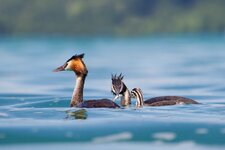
x: 100, y: 103
x: 168, y: 100
x: 161, y: 100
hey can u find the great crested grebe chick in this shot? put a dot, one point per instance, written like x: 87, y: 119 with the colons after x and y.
x: 159, y: 101
x: 76, y: 64
x: 119, y: 89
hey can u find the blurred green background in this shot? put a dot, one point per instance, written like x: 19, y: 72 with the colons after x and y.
x: 111, y: 17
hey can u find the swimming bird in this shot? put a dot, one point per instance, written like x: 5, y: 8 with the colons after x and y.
x: 77, y: 65
x: 119, y: 89
x: 159, y: 101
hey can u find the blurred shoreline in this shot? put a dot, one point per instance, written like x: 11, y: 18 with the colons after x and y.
x: 111, y: 17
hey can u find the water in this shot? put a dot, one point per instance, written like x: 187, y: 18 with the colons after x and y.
x: 34, y: 101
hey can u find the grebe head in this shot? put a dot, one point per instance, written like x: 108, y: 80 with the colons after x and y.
x: 75, y: 63
x: 137, y: 94
x: 118, y: 87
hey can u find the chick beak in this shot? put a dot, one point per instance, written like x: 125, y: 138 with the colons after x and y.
x: 61, y: 68
x: 132, y: 95
x: 116, y: 97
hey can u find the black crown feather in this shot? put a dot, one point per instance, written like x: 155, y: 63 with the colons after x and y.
x: 115, y: 77
x: 76, y: 56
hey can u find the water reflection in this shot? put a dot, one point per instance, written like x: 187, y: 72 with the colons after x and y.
x: 77, y: 114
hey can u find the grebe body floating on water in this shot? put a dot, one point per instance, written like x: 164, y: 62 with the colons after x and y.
x: 159, y: 101
x: 76, y: 64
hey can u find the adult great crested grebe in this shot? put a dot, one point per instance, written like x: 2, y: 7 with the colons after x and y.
x: 76, y: 64
x: 159, y: 101
x: 119, y: 89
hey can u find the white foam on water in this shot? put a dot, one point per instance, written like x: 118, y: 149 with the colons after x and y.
x: 201, y: 131
x: 167, y: 136
x: 113, y: 138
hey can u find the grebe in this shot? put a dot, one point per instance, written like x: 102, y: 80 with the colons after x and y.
x: 76, y: 64
x: 119, y: 89
x: 159, y: 101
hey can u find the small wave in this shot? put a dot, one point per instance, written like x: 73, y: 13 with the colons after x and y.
x: 166, y: 136
x: 201, y: 131
x: 113, y: 137
x: 3, y: 114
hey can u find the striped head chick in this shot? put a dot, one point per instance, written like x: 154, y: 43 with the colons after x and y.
x: 120, y: 90
x: 76, y: 64
x: 137, y: 94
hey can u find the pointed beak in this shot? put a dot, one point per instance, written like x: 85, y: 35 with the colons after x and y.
x: 132, y: 95
x: 116, y: 97
x: 61, y: 68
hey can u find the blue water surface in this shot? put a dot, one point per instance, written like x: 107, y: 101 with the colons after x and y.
x: 34, y: 101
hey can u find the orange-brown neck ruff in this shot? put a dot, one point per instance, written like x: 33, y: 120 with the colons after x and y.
x: 78, y: 66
